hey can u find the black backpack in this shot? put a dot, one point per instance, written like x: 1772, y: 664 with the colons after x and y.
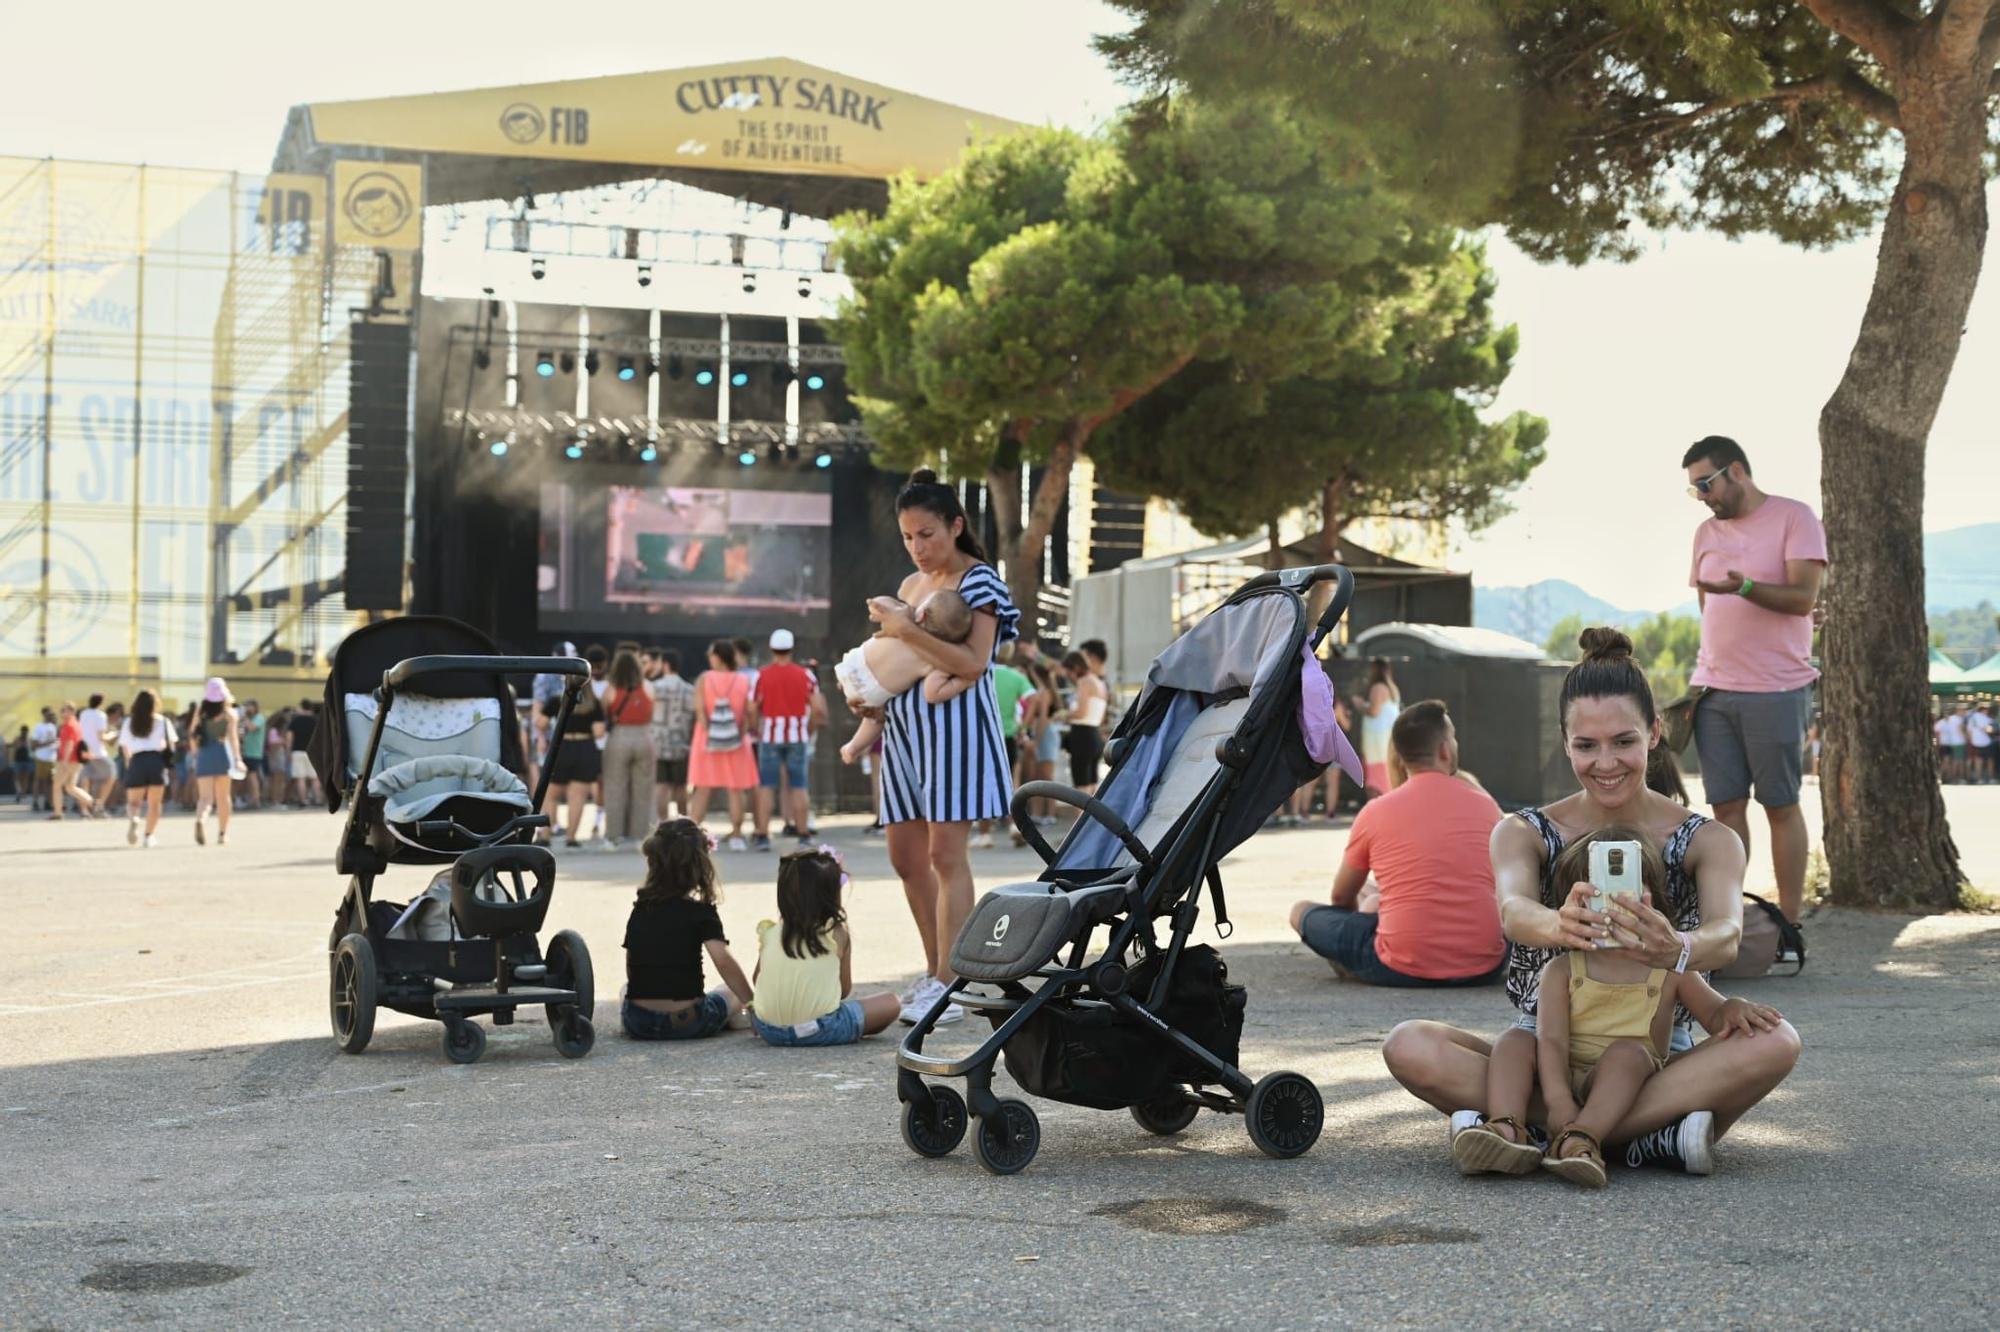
x: 1767, y: 937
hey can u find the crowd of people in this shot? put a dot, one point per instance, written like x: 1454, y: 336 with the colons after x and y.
x: 215, y: 758
x: 1968, y: 748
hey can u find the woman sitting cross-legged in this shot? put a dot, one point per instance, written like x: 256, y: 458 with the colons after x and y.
x: 1610, y: 727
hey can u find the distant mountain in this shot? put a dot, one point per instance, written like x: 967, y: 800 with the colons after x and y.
x: 1531, y: 612
x: 1962, y: 567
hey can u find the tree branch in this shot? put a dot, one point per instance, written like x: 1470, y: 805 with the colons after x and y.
x: 1959, y: 27
x: 1869, y: 24
x: 1845, y: 83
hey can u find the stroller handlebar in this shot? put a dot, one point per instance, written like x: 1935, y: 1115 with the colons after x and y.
x: 409, y: 669
x: 1090, y: 805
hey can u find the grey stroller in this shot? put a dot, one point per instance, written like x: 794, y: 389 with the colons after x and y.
x: 1216, y: 741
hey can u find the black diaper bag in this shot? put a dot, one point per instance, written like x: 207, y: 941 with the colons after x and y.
x: 1097, y: 1057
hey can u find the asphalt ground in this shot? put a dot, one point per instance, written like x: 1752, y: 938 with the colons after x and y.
x: 181, y: 1144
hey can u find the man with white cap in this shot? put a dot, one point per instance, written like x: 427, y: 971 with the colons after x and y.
x: 790, y: 702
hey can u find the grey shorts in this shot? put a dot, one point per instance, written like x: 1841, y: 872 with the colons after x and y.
x: 1752, y: 740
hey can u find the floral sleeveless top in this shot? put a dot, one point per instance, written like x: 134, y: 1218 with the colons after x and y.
x: 1682, y: 907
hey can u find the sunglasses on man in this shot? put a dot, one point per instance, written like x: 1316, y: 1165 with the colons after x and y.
x: 1700, y: 485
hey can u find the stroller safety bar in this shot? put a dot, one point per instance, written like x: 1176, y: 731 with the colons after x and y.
x: 446, y: 827
x: 1090, y: 805
x: 409, y: 669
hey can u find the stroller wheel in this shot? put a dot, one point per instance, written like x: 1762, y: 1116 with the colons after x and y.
x: 351, y: 995
x: 574, y: 1036
x: 464, y: 1041
x: 569, y: 969
x: 1166, y: 1115
x: 935, y: 1129
x: 1284, y: 1114
x: 1008, y: 1138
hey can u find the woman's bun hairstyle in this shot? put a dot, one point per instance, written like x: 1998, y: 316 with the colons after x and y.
x: 1606, y: 670
x: 924, y: 491
x: 923, y: 476
x: 1602, y: 643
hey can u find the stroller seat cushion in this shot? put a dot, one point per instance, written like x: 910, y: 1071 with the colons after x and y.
x: 1189, y: 770
x: 1016, y: 928
x: 412, y: 790
x: 420, y: 726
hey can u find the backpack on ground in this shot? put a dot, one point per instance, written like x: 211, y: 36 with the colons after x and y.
x: 1769, y: 942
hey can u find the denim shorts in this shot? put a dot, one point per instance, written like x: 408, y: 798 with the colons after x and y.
x: 790, y: 756
x: 690, y: 1024
x: 1680, y: 1039
x: 1346, y: 938
x: 840, y: 1027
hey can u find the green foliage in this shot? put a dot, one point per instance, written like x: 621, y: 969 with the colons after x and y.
x: 1393, y: 428
x: 1050, y: 280
x: 1569, y: 123
x: 1664, y: 646
x: 1971, y: 633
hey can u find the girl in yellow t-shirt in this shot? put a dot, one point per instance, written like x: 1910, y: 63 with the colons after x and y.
x: 804, y: 970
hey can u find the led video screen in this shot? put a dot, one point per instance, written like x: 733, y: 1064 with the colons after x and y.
x: 684, y: 559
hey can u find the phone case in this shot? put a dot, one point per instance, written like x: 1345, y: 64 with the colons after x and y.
x: 1615, y: 871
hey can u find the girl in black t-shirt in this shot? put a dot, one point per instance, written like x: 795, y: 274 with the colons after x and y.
x: 673, y: 921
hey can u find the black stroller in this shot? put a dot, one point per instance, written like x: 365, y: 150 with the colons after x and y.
x: 1213, y: 745
x: 419, y: 735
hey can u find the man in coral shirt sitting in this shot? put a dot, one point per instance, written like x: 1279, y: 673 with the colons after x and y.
x: 1428, y: 916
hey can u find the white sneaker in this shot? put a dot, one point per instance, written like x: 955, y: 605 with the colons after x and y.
x: 920, y: 998
x: 150, y: 840
x: 982, y: 841
x: 131, y: 832
x: 952, y: 1013
x: 738, y: 844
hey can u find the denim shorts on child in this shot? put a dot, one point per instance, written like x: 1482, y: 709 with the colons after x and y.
x: 840, y: 1027
x: 1680, y: 1039
x: 705, y: 1018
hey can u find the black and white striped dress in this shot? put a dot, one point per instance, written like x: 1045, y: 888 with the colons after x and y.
x: 947, y: 762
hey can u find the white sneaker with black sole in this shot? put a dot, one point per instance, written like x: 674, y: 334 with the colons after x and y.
x: 1686, y: 1145
x: 922, y: 996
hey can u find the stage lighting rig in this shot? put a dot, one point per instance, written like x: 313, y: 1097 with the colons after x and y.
x: 674, y: 367
x: 627, y: 370
x: 739, y: 379
x: 749, y: 282
x: 824, y: 458
x: 805, y: 287
x: 704, y: 375
x: 538, y: 269
x: 815, y: 382
x: 645, y: 275
x: 498, y: 448
x: 575, y: 449
x: 748, y: 457
x: 649, y: 454
x: 482, y: 359
x: 590, y: 363
x: 569, y: 363
x: 545, y: 364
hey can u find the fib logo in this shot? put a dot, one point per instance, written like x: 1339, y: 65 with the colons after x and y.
x: 377, y: 204
x: 524, y: 123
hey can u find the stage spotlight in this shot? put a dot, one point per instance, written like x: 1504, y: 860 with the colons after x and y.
x: 773, y: 450
x: 590, y: 363
x: 575, y: 449
x: 748, y: 457
x: 645, y: 275
x: 674, y: 367
x: 815, y: 382
x: 481, y: 358
x: 791, y: 453
x: 648, y: 454
x: 538, y: 269
x: 498, y: 448
x: 749, y: 283
x: 781, y: 375
x: 739, y: 378
x: 705, y: 375
x: 627, y: 370
x: 805, y: 287
x: 569, y: 363
x: 545, y: 364
x: 822, y: 458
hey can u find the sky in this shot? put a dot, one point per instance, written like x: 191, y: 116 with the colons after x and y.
x: 1630, y: 362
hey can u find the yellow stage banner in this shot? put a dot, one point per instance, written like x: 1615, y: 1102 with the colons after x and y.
x: 777, y: 116
x: 378, y: 204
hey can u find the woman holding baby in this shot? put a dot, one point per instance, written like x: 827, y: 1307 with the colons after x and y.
x: 944, y: 763
x: 1609, y: 727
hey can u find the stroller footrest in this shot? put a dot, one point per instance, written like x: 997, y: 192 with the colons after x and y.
x: 480, y: 998
x: 937, y: 1066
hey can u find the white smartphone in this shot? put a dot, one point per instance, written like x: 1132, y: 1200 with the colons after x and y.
x: 1615, y: 871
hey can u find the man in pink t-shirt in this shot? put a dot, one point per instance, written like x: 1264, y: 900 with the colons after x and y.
x: 1757, y: 567
x: 1429, y: 916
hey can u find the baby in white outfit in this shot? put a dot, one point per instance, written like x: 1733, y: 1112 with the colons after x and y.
x: 883, y: 667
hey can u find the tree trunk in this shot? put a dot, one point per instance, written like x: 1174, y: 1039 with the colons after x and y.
x: 1024, y: 561
x: 1326, y: 548
x: 1003, y: 495
x: 1274, y: 553
x: 1886, y: 838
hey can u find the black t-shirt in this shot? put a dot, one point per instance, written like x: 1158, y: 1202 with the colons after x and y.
x: 301, y: 729
x: 663, y: 948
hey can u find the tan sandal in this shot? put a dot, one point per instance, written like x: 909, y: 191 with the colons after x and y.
x: 1586, y: 1167
x: 1480, y: 1151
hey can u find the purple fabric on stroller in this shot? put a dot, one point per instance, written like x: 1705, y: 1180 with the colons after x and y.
x: 1325, y: 741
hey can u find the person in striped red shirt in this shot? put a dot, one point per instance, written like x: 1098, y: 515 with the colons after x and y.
x: 790, y: 702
